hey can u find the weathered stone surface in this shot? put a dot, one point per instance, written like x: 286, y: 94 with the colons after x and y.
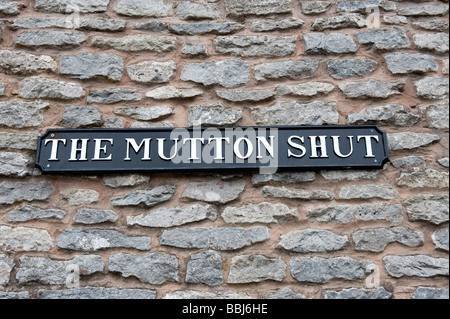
x: 340, y: 69
x: 383, y: 191
x: 96, y: 239
x: 312, y: 241
x: 372, y: 89
x: 342, y: 175
x: 96, y: 293
x: 433, y: 87
x: 430, y: 293
x: 170, y: 92
x: 409, y: 161
x: 392, y: 38
x: 246, y: 95
x: 218, y: 294
x: 143, y: 8
x: 152, y: 72
x: 354, y: 293
x: 187, y: 10
x: 153, y: 268
x: 90, y: 216
x: 294, y: 113
x: 406, y: 63
x: 436, y: 42
x: 41, y: 23
x: 339, y: 22
x: 102, y: 24
x: 111, y: 96
x: 444, y: 161
x: 415, y: 265
x: 75, y: 116
x: 363, y: 6
x: 77, y: 197
x: 227, y: 73
x: 6, y: 266
x: 377, y: 239
x: 125, y: 180
x: 445, y: 66
x: 10, y: 8
x: 22, y: 63
x: 27, y: 212
x: 256, y: 268
x: 88, y: 66
x: 14, y: 295
x: 60, y: 40
x: 205, y: 268
x: 410, y: 140
x: 286, y: 70
x: 215, y: 191
x: 194, y: 49
x: 259, y: 213
x: 284, y: 178
x: 440, y: 239
x: 426, y: 10
x: 145, y: 197
x: 283, y: 192
x: 155, y: 26
x: 265, y: 26
x: 257, y: 7
x: 390, y: 114
x: 212, y: 115
x: 307, y: 89
x: 395, y: 19
x: 314, y: 7
x: 11, y: 192
x: 174, y: 216
x: 333, y: 43
x: 250, y: 46
x: 54, y: 272
x: 151, y: 125
x: 350, y: 213
x: 145, y: 113
x: 437, y: 115
x: 14, y: 164
x: 419, y: 178
x: 435, y: 25
x: 320, y: 270
x: 205, y: 28
x: 137, y: 43
x: 68, y: 6
x: 44, y: 88
x: 24, y: 239
x: 217, y: 239
x: 284, y: 294
x: 428, y: 207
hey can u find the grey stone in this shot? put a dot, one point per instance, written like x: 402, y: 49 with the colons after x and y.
x: 170, y: 92
x: 88, y: 66
x: 125, y: 180
x: 390, y: 114
x: 436, y: 25
x: 145, y: 197
x: 10, y: 8
x: 215, y: 191
x: 283, y: 192
x: 372, y: 89
x: 428, y: 207
x: 152, y: 72
x: 44, y: 88
x: 363, y: 6
x: 425, y: 10
x: 187, y: 10
x: 259, y: 213
x: 340, y: 69
x: 77, y: 197
x: 231, y: 238
x: 155, y: 26
x: 320, y: 270
x: 342, y: 175
x: 395, y: 19
x: 251, y: 46
x: 246, y: 95
x: 151, y: 125
x: 153, y: 268
x: 75, y: 116
x: 418, y: 178
x: 136, y: 43
x: 14, y: 164
x: 54, y: 272
x: 314, y: 7
x: 102, y: 24
x: 22, y: 63
x: 212, y: 115
x: 113, y: 122
x: 27, y: 212
x: 433, y: 87
x: 444, y: 161
x: 111, y: 96
x: 437, y: 115
x: 257, y: 7
x: 194, y: 49
x: 293, y: 70
x: 351, y: 213
x: 284, y: 178
x: 15, y: 295
x: 333, y: 43
x: 68, y: 6
x: 406, y: 63
x: 24, y: 239
x: 205, y: 268
x: 376, y: 240
x: 339, y: 22
x: 312, y: 241
x: 96, y: 239
x: 430, y: 293
x: 256, y: 268
x: 145, y: 113
x: 410, y: 140
x: 435, y: 42
x: 383, y: 191
x: 283, y: 294
x: 174, y: 216
x: 6, y: 266
x: 415, y: 265
x: 89, y: 216
x: 217, y: 294
x: 41, y: 23
x: 143, y: 8
x: 12, y: 192
x: 96, y: 293
x: 205, y: 28
x: 392, y: 38
x: 409, y: 161
x: 60, y: 40
x: 265, y: 26
x: 294, y: 113
x: 440, y: 239
x: 307, y: 89
x: 353, y: 293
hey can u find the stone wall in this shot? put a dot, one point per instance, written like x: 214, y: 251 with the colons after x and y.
x: 159, y: 63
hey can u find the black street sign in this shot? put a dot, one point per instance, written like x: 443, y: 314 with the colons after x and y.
x: 267, y: 149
